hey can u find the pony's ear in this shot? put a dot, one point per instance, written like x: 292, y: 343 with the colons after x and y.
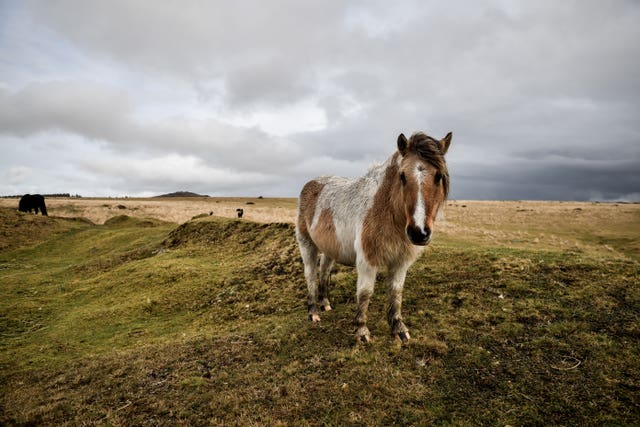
x: 444, y: 143
x: 402, y: 144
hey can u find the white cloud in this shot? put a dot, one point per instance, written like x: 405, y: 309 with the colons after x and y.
x: 305, y: 116
x: 17, y: 174
x: 173, y: 168
x: 292, y: 89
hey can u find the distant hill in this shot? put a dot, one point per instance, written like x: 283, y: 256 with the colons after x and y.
x: 182, y: 194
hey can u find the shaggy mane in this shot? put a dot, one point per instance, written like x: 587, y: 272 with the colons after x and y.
x: 429, y: 150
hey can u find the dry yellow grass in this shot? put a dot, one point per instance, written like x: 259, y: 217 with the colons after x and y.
x: 171, y: 209
x: 581, y: 226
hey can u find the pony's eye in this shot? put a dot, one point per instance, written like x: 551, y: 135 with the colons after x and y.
x: 403, y: 178
x: 437, y: 177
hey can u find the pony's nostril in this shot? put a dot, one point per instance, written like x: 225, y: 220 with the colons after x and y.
x: 417, y: 235
x: 427, y: 233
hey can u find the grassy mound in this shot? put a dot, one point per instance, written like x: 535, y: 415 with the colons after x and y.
x: 18, y: 229
x: 205, y: 323
x: 214, y: 230
x: 130, y: 221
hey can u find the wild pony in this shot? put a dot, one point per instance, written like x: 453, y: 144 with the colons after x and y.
x: 32, y: 202
x: 381, y: 219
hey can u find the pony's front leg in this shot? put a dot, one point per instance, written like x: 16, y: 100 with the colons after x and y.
x: 394, y: 314
x: 364, y: 290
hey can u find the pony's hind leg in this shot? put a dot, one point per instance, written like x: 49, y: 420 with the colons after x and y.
x: 309, y: 253
x: 324, y: 288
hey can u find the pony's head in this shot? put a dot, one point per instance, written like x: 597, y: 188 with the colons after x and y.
x: 423, y: 182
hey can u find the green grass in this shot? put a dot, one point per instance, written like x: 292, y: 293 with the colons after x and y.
x: 142, y: 322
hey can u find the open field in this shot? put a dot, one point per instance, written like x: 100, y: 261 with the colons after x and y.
x: 589, y: 226
x: 171, y: 209
x: 521, y: 313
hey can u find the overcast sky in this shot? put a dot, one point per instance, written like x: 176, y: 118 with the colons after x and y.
x: 248, y: 98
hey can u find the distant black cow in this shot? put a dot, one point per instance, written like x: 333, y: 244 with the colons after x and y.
x: 32, y: 202
x: 240, y: 212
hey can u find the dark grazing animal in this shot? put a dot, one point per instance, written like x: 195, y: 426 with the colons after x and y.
x: 32, y: 202
x: 240, y: 212
x: 382, y: 219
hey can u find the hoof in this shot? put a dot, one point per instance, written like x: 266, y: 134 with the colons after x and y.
x: 314, y: 317
x: 363, y: 335
x: 364, y: 339
x: 404, y: 336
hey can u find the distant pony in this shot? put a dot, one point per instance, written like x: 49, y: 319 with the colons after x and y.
x: 382, y: 219
x: 32, y: 202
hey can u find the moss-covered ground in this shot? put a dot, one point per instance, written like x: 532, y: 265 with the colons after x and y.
x: 143, y: 322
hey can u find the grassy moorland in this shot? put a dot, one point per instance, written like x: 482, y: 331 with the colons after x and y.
x: 521, y: 313
x: 171, y: 209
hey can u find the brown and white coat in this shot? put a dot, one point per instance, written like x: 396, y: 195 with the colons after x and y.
x: 380, y: 220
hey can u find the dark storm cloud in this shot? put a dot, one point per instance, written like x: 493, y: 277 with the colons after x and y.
x: 551, y: 180
x: 77, y: 107
x: 266, y: 84
x: 105, y: 115
x: 542, y: 97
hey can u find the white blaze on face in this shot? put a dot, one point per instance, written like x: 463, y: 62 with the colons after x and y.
x: 420, y: 213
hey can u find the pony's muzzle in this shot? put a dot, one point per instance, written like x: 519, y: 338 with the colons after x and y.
x: 417, y: 236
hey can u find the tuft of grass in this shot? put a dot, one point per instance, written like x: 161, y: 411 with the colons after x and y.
x: 143, y: 322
